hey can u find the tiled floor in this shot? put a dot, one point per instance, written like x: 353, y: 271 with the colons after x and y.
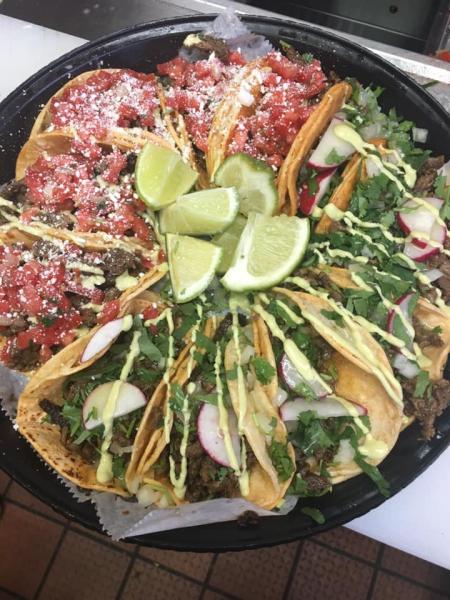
x: 44, y: 556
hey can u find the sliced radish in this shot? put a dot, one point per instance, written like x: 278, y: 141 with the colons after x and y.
x: 308, y: 201
x: 102, y: 338
x: 325, y: 408
x: 129, y: 399
x: 212, y: 438
x: 405, y: 367
x: 403, y: 304
x: 328, y: 143
x: 293, y: 378
x: 420, y: 254
x: 415, y: 217
x: 280, y: 397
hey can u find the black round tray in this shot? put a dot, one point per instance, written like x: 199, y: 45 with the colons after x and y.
x: 141, y: 48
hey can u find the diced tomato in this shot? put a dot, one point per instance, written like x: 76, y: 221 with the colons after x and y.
x: 151, y: 312
x: 236, y: 58
x: 45, y: 353
x: 175, y: 69
x: 116, y: 161
x: 161, y: 256
x: 147, y: 263
x: 110, y: 312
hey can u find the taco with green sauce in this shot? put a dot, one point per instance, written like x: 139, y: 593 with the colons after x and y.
x: 89, y: 412
x: 335, y: 391
x: 221, y: 436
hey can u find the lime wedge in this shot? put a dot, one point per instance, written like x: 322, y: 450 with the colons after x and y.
x: 269, y: 250
x: 254, y: 181
x: 192, y: 265
x: 162, y: 176
x: 228, y: 241
x: 201, y: 213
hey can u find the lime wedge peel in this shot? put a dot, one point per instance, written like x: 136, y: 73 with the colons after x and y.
x: 228, y: 240
x: 192, y: 265
x: 161, y: 176
x: 269, y: 250
x: 201, y: 213
x: 254, y: 181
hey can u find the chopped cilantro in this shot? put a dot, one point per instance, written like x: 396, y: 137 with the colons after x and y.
x: 422, y: 383
x: 305, y: 391
x: 221, y: 473
x: 312, y: 184
x: 205, y: 343
x: 207, y: 398
x: 333, y: 316
x: 263, y: 370
x: 281, y: 460
x: 119, y: 468
x: 231, y: 374
x: 314, y: 513
x: 307, y: 57
x: 334, y: 158
x: 177, y: 396
x: 47, y: 320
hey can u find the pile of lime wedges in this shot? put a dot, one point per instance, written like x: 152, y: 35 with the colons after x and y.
x: 227, y: 230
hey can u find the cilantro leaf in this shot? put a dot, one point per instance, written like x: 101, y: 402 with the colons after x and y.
x: 281, y: 460
x: 263, y: 370
x: 333, y: 316
x: 177, y: 396
x: 119, y: 468
x: 334, y: 158
x: 422, y: 382
x: 314, y: 513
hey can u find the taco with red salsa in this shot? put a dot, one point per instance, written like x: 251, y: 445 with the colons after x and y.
x: 56, y: 286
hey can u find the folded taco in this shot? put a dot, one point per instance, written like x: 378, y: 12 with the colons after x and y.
x: 81, y: 186
x: 55, y: 286
x: 88, y: 410
x: 343, y: 415
x: 221, y: 435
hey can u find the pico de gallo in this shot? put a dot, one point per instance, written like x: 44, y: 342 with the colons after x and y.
x: 107, y: 99
x: 290, y: 88
x: 52, y: 291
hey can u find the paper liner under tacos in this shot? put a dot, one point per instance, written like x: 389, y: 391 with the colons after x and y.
x: 47, y: 384
x: 430, y: 315
x: 230, y: 110
x: 306, y: 138
x: 266, y: 490
x: 357, y: 386
x: 351, y: 340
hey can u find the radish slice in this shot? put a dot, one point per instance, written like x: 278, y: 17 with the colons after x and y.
x: 405, y: 367
x: 129, y: 399
x: 403, y: 304
x: 417, y: 218
x: 102, y: 338
x: 420, y: 254
x: 293, y: 378
x: 325, y: 408
x: 307, y: 201
x: 280, y: 397
x: 328, y: 143
x: 211, y: 436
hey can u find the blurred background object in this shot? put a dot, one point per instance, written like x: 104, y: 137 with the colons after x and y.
x: 417, y: 25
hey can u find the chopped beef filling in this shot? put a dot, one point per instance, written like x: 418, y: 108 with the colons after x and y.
x: 44, y: 250
x: 427, y: 175
x: 54, y: 411
x: 426, y: 409
x: 89, y: 317
x: 57, y: 220
x: 116, y: 261
x: 14, y: 191
x: 24, y: 359
x: 442, y: 262
x: 320, y: 279
x: 425, y: 336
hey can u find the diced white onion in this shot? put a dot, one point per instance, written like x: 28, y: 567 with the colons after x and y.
x: 345, y: 452
x: 280, y: 397
x: 119, y: 450
x: 146, y: 495
x: 247, y: 354
x: 405, y: 367
x: 370, y: 131
x: 419, y: 135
